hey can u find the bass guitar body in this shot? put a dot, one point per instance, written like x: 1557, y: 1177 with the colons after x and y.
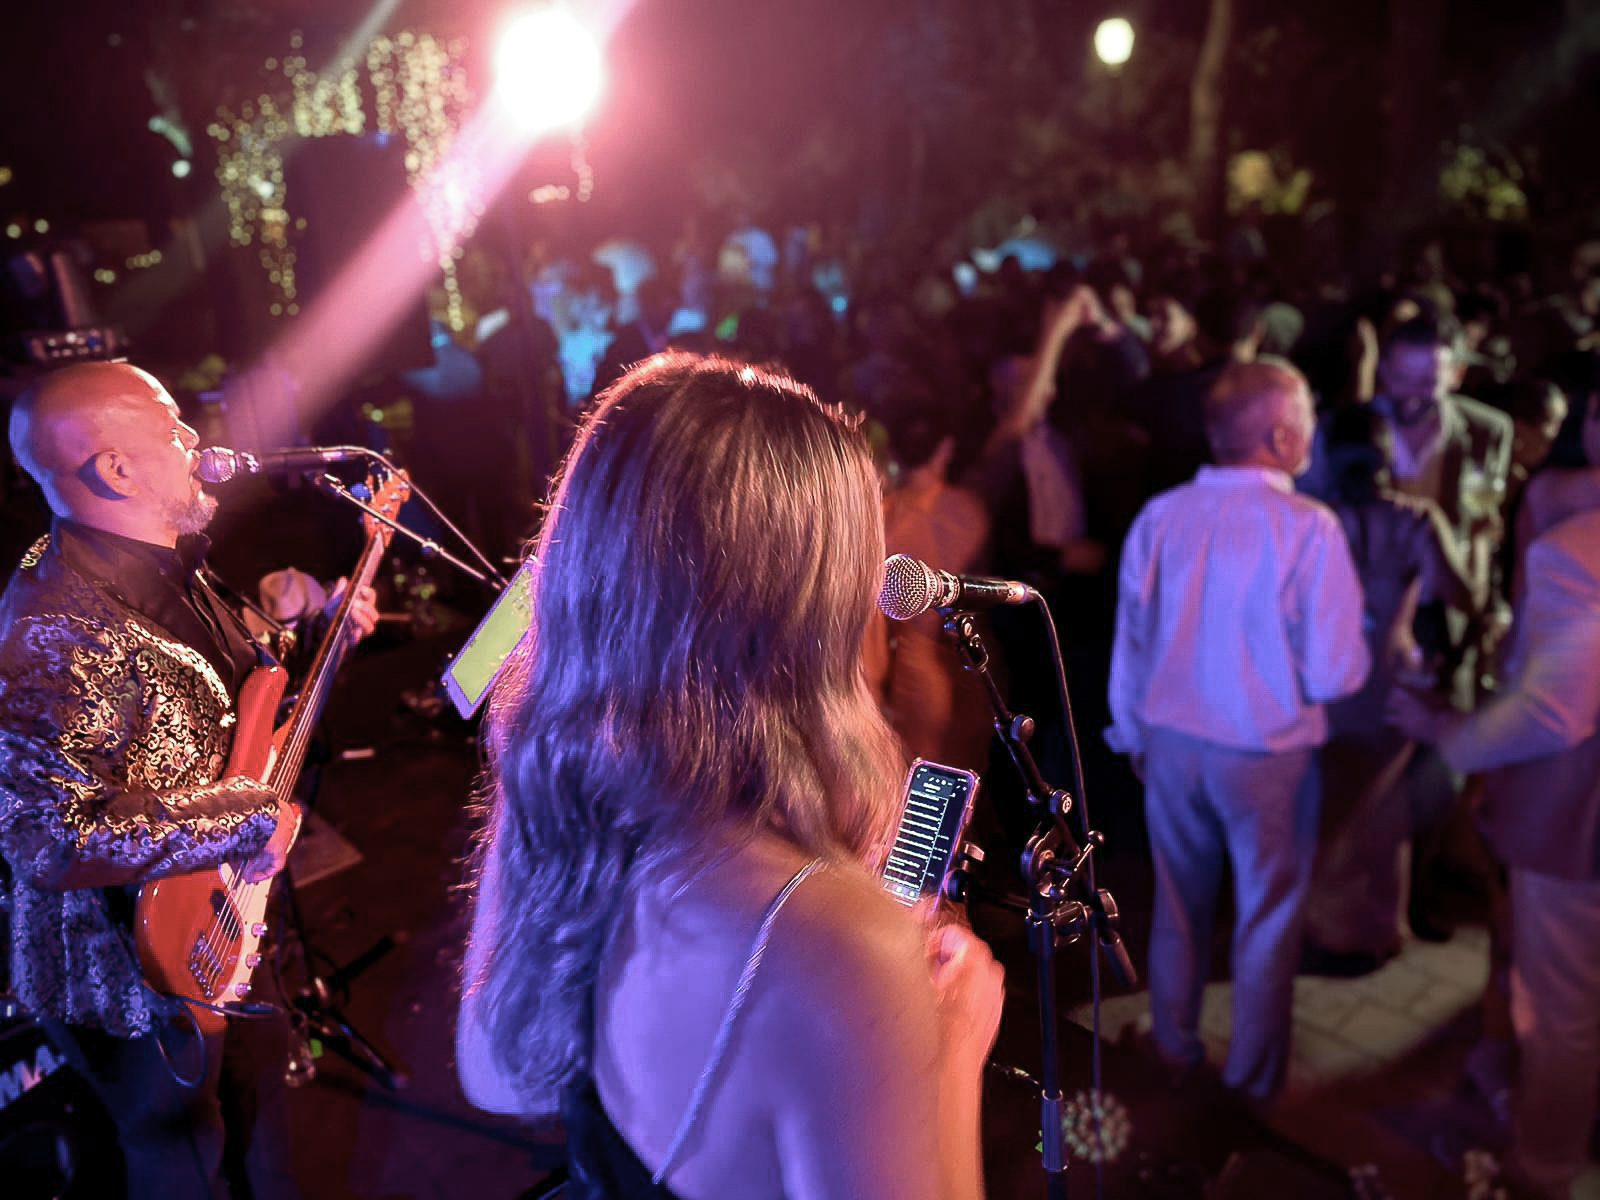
x: 198, y: 934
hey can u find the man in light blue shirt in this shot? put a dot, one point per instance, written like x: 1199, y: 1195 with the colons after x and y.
x: 1238, y: 619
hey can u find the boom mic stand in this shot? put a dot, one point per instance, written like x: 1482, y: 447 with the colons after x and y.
x: 315, y: 1014
x: 334, y: 486
x: 1053, y: 865
x: 317, y: 1018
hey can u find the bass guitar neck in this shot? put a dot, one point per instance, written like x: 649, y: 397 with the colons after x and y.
x: 199, y: 934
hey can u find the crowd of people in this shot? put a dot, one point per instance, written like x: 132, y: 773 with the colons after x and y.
x: 1339, y: 552
x: 1335, y: 544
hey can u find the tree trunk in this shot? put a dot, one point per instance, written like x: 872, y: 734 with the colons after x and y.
x: 1411, y: 160
x: 1206, y: 150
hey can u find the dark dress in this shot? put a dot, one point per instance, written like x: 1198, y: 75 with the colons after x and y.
x: 602, y: 1164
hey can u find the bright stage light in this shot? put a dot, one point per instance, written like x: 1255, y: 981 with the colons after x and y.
x: 547, y: 70
x: 1113, y: 41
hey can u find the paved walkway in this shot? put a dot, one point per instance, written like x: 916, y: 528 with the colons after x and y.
x: 1377, y: 1073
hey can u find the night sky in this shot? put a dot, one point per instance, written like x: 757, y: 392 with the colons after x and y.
x: 688, y: 77
x: 871, y: 118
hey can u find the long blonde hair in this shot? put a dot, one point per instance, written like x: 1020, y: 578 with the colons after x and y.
x: 706, y: 575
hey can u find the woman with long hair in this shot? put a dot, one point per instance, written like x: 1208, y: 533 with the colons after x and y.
x: 678, y: 941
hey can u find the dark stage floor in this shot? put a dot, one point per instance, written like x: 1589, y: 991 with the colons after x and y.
x: 406, y: 808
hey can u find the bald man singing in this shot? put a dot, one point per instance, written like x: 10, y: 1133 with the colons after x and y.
x: 119, y: 668
x: 1238, y: 620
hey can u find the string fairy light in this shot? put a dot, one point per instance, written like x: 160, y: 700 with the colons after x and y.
x: 581, y: 167
x: 419, y: 94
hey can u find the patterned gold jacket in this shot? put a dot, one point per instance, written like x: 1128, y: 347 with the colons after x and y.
x: 113, y: 734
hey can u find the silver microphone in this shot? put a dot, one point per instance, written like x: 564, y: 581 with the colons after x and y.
x: 911, y: 587
x: 218, y: 464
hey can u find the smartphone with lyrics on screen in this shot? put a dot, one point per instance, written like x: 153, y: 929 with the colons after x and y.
x: 937, y: 805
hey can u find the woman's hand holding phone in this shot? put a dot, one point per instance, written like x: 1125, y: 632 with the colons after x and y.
x: 969, y: 986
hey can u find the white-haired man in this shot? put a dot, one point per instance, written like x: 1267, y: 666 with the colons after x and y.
x: 1238, y: 620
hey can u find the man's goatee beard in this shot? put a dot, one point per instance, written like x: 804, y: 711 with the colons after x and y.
x: 194, y: 516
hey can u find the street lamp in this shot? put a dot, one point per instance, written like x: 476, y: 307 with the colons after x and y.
x: 1113, y: 46
x: 1113, y: 42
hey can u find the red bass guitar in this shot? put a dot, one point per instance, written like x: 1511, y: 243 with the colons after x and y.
x: 198, y: 934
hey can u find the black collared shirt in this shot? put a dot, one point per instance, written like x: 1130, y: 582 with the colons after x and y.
x: 167, y: 586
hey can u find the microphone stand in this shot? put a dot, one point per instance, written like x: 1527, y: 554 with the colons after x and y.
x: 334, y: 486
x: 1052, y: 864
x: 315, y: 1014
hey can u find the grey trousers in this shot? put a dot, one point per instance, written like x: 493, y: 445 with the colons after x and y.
x: 1207, y: 805
x: 1555, y: 1007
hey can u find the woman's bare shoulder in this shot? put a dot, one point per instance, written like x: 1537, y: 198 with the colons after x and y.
x: 847, y: 945
x: 838, y: 940
x: 846, y: 1035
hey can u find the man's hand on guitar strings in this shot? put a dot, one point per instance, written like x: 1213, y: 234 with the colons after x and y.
x: 275, y: 853
x: 363, y: 611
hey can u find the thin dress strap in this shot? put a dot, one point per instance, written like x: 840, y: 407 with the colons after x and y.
x: 719, y: 1045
